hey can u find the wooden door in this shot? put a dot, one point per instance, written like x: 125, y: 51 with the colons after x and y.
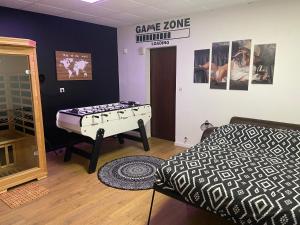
x: 163, y: 92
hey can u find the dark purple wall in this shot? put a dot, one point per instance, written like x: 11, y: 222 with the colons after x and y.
x: 54, y: 33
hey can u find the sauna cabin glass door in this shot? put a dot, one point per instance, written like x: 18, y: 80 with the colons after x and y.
x: 18, y: 148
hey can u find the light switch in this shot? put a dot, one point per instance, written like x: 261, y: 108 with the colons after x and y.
x: 142, y: 51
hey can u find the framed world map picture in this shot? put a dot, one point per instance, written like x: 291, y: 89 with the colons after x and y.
x: 73, y: 66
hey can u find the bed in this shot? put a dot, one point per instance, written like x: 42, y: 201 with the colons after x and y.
x: 247, y: 171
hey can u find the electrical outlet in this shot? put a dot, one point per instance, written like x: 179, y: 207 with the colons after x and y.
x: 62, y: 90
x: 185, y: 139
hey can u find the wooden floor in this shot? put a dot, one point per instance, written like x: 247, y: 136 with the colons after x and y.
x: 77, y: 197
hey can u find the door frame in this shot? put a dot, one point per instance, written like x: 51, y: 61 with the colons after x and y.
x: 148, y: 84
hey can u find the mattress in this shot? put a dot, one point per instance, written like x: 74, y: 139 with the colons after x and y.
x: 244, y: 173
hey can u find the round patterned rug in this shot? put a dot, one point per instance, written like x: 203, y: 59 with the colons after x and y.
x: 130, y: 173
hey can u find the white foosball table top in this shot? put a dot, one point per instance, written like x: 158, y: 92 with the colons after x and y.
x: 83, y: 111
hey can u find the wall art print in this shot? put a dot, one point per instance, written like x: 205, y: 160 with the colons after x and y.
x: 219, y: 65
x: 73, y: 66
x: 201, y: 66
x: 263, y: 64
x: 240, y: 65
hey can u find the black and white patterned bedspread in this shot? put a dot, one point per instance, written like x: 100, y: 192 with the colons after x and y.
x: 245, y: 173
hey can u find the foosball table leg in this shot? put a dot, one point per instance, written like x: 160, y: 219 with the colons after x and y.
x: 68, y: 152
x: 95, y: 151
x: 120, y: 138
x: 143, y: 134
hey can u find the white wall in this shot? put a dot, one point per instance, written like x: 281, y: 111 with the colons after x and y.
x: 266, y: 22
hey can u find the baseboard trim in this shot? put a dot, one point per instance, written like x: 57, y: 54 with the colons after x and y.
x: 180, y: 144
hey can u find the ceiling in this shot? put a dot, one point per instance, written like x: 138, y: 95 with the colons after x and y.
x: 119, y: 13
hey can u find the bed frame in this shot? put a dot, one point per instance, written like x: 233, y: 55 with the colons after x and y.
x: 206, y: 133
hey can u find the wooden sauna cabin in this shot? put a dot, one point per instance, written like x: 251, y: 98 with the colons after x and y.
x: 22, y: 150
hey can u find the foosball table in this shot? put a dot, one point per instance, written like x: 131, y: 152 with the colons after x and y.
x: 100, y: 121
